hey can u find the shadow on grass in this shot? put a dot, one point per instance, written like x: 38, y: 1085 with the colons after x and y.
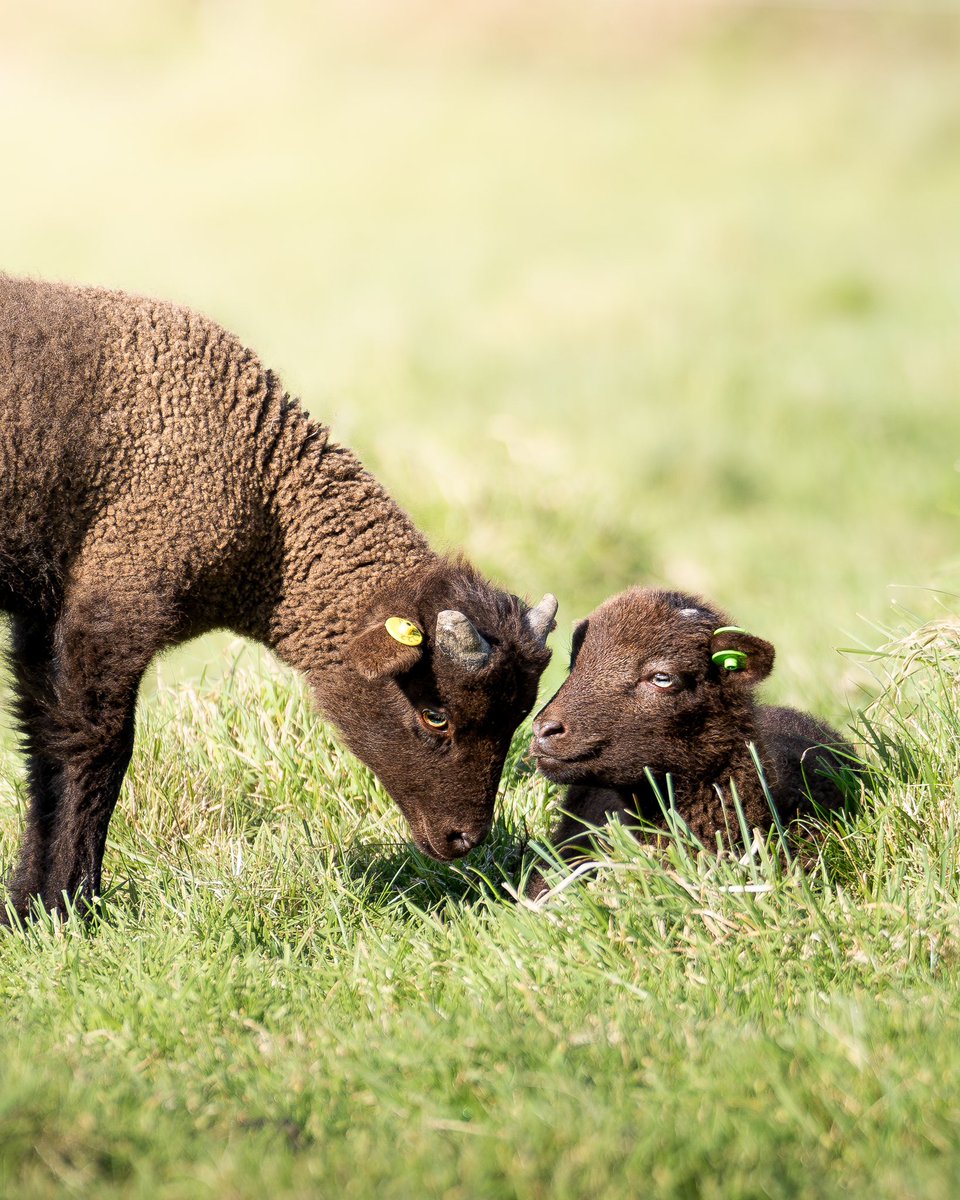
x: 397, y: 872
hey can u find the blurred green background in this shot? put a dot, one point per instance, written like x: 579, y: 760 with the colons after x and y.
x: 605, y: 293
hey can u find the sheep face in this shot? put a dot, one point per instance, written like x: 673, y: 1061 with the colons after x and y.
x: 650, y: 688
x: 433, y: 714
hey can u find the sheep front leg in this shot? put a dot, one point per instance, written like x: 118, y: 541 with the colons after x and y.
x: 91, y: 779
x: 101, y: 652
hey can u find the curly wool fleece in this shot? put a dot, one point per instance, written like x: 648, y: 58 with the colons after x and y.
x: 157, y: 482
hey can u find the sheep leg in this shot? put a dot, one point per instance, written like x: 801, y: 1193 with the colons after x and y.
x: 101, y: 652
x: 92, y: 777
x: 31, y: 658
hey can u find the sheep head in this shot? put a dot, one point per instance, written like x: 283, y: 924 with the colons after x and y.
x: 658, y: 680
x: 431, y: 690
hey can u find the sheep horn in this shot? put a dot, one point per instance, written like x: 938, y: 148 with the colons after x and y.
x: 540, y: 619
x: 460, y: 641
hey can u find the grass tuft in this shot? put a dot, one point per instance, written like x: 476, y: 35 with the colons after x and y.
x: 279, y: 987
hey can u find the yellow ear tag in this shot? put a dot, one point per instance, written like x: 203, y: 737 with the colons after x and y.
x: 403, y: 631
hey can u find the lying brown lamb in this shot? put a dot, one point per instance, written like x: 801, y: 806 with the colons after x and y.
x: 157, y: 482
x: 661, y: 682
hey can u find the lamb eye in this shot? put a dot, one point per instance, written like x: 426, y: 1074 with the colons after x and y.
x: 662, y: 680
x: 433, y: 719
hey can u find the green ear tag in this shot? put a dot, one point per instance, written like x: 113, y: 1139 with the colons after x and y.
x: 730, y: 660
x: 403, y: 631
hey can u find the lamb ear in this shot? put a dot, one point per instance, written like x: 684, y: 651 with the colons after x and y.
x: 576, y: 642
x: 375, y: 653
x: 740, y: 656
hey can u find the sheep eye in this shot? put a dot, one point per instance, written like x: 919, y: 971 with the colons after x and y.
x: 433, y: 719
x: 662, y: 680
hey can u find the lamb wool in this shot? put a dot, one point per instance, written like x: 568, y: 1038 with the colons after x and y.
x: 157, y: 482
x: 659, y: 702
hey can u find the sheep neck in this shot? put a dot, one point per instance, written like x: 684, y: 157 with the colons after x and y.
x: 340, y: 539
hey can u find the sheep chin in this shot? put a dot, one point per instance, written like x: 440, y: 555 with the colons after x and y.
x: 563, y: 770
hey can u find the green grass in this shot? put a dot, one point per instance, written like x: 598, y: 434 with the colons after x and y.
x: 284, y: 995
x: 602, y: 302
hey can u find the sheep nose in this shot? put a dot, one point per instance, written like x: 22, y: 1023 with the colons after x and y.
x: 547, y: 729
x: 459, y: 842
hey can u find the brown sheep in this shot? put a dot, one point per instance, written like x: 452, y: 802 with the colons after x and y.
x: 661, y: 682
x: 156, y: 482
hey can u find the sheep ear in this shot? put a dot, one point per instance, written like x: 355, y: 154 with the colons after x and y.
x: 579, y: 635
x: 740, y: 656
x: 387, y: 648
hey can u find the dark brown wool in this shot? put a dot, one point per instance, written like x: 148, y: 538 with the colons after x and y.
x: 156, y: 482
x: 644, y: 692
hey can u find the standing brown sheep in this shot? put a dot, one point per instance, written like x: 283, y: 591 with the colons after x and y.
x: 661, y: 682
x: 156, y: 482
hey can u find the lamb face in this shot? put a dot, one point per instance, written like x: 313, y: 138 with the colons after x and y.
x: 649, y: 689
x: 434, y: 713
x: 661, y: 682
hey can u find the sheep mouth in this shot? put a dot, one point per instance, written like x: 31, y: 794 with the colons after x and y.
x: 425, y: 846
x: 568, y: 769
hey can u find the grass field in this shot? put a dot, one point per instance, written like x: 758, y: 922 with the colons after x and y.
x: 603, y: 300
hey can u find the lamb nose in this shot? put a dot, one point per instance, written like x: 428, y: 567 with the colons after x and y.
x: 549, y: 728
